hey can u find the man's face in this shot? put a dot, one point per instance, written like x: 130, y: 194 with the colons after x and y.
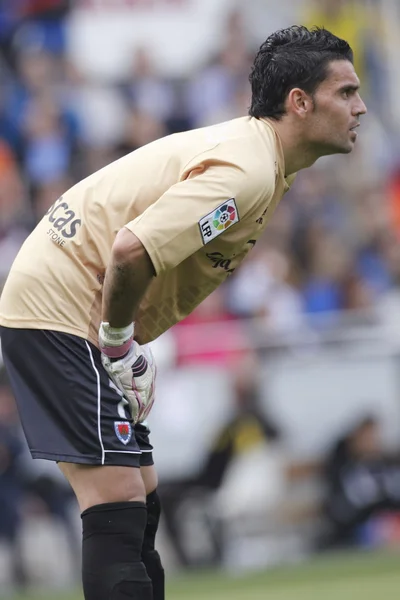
x: 337, y: 108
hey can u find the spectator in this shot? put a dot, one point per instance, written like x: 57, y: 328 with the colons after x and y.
x: 16, y: 217
x: 11, y: 482
x: 218, y: 90
x: 248, y: 429
x: 361, y: 481
x: 146, y: 90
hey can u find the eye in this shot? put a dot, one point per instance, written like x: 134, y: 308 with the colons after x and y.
x: 346, y: 93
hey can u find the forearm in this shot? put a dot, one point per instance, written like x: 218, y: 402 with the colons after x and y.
x: 130, y: 366
x: 127, y: 278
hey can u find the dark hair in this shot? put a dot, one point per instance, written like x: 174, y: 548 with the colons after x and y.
x: 289, y: 58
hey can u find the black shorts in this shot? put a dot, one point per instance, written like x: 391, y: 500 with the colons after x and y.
x: 69, y: 408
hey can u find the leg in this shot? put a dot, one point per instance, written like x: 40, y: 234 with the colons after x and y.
x: 114, y: 517
x: 150, y: 557
x: 72, y: 415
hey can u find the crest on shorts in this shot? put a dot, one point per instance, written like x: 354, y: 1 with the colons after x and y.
x: 123, y: 430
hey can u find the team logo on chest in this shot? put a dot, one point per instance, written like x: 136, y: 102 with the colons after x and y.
x: 123, y: 430
x: 219, y: 220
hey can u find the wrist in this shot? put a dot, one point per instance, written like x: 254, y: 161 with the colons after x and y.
x: 115, y: 342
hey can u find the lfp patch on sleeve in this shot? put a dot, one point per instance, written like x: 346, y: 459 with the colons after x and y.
x: 219, y: 220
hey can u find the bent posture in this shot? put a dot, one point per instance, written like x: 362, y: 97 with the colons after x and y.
x: 122, y: 256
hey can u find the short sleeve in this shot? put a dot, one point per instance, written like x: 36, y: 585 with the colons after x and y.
x: 214, y: 198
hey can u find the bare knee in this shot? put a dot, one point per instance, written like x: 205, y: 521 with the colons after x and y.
x: 104, y: 484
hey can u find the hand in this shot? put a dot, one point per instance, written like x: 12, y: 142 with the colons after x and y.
x: 133, y: 373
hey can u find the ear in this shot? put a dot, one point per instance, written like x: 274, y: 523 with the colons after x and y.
x: 299, y: 102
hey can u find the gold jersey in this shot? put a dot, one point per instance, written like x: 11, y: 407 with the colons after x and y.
x: 197, y: 200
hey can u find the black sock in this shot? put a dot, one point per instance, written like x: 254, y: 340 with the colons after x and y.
x: 150, y: 556
x: 112, y: 568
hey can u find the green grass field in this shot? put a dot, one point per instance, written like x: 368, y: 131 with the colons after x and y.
x: 368, y: 576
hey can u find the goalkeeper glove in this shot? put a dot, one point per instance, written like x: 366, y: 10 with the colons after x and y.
x: 130, y: 366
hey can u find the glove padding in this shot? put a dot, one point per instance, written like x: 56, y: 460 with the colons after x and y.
x: 134, y: 375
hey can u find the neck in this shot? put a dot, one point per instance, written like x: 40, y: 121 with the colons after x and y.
x: 297, y: 153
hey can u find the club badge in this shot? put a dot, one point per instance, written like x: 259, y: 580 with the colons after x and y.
x: 123, y: 430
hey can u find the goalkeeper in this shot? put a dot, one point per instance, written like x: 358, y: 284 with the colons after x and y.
x: 128, y: 252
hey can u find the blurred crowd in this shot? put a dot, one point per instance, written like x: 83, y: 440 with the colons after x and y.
x: 331, y: 249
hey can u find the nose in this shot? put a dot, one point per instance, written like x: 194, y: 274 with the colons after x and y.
x: 360, y: 108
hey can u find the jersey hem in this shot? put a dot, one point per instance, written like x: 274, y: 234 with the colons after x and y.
x: 21, y: 324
